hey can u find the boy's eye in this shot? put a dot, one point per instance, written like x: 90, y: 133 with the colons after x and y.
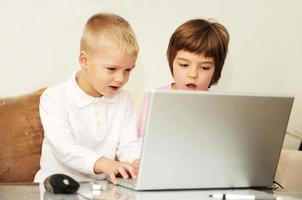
x: 110, y: 68
x: 129, y: 70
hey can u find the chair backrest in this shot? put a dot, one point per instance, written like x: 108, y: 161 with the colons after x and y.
x: 21, y: 136
x: 289, y: 173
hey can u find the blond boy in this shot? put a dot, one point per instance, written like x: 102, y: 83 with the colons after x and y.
x: 89, y: 119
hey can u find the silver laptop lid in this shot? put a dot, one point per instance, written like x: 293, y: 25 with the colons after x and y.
x: 212, y: 140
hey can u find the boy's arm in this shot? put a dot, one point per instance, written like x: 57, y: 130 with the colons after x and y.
x: 129, y: 144
x: 58, y: 133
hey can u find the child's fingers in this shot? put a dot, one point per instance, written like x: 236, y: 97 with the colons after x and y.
x: 123, y: 172
x: 131, y: 170
x: 113, y: 178
x: 135, y: 166
x: 135, y: 169
x: 136, y: 162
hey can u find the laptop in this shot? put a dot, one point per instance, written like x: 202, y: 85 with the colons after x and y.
x: 195, y: 140
x: 238, y: 194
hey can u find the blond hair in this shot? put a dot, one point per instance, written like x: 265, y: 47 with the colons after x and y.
x: 110, y: 27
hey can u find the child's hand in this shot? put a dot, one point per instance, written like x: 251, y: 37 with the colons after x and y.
x: 112, y: 168
x: 135, y: 165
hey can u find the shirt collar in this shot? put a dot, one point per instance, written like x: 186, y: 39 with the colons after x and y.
x: 81, y: 98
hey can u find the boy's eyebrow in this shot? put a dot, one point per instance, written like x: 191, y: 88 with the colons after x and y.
x: 117, y: 66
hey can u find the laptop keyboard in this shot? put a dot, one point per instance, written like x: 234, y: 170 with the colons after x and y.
x: 128, y: 183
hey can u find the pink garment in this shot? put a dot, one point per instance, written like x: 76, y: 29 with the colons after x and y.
x: 144, y: 107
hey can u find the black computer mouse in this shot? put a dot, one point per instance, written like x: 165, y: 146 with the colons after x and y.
x: 61, y: 183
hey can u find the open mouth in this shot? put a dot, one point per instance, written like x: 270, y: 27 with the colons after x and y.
x: 115, y: 88
x: 191, y: 86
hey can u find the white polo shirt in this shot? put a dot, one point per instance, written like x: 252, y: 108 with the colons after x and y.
x: 79, y: 129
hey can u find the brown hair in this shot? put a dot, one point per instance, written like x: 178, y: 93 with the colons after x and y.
x: 200, y: 36
x: 111, y: 27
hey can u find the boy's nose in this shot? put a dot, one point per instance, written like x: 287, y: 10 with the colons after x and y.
x: 119, y: 78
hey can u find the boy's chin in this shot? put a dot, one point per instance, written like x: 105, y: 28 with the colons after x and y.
x: 110, y: 94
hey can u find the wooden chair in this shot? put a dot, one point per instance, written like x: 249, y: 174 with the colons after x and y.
x: 21, y: 136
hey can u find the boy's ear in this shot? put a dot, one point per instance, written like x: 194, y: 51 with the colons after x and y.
x: 83, y: 59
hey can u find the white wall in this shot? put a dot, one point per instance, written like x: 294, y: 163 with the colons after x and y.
x: 40, y: 42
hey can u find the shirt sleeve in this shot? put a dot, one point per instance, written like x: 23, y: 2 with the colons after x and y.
x: 129, y: 146
x: 58, y: 133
